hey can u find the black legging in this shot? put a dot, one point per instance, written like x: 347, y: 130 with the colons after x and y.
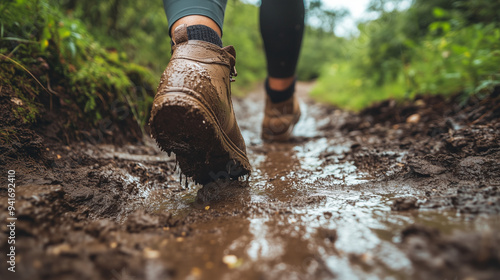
x: 281, y: 27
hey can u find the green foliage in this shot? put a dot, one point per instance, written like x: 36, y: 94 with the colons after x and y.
x: 14, y: 78
x: 7, y: 135
x: 138, y: 28
x: 319, y: 48
x: 434, y: 47
x: 241, y: 29
x: 326, y: 19
x: 461, y: 60
x: 96, y: 52
x: 382, y: 49
x: 478, y: 11
x: 60, y: 50
x: 344, y: 85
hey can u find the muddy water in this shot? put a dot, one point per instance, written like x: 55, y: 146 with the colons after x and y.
x: 318, y: 207
x: 301, y: 215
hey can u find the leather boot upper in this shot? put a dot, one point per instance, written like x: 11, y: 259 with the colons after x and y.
x: 204, y: 71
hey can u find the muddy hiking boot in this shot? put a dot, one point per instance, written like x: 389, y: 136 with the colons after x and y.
x: 280, y: 119
x: 192, y: 114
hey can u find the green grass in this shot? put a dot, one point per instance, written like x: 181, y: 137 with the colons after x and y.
x: 342, y: 85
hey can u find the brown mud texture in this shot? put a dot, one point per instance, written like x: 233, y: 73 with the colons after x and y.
x: 398, y: 191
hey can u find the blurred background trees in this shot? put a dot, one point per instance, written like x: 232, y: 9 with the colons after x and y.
x: 433, y: 47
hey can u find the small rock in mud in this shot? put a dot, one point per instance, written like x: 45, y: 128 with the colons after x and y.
x: 404, y: 204
x: 424, y: 168
x: 140, y: 220
x: 413, y: 119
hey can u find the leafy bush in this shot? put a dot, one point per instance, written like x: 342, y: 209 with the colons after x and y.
x: 137, y: 28
x: 241, y: 29
x: 450, y: 52
x: 319, y: 48
x: 344, y: 85
x: 462, y: 60
x: 40, y: 46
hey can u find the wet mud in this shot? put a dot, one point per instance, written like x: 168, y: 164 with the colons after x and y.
x: 398, y: 191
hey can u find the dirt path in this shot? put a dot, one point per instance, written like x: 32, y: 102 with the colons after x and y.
x: 391, y: 193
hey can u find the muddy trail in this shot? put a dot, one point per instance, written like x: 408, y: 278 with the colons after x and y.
x: 398, y: 191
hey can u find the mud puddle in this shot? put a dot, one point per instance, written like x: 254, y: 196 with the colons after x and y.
x: 304, y: 216
x: 349, y: 197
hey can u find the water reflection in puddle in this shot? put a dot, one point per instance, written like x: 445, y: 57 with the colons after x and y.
x: 317, y: 213
x: 313, y: 197
x: 367, y: 231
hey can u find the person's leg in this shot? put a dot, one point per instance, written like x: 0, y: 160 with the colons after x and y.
x: 197, y: 15
x: 210, y: 9
x: 282, y: 27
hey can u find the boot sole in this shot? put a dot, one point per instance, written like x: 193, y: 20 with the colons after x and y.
x: 183, y: 125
